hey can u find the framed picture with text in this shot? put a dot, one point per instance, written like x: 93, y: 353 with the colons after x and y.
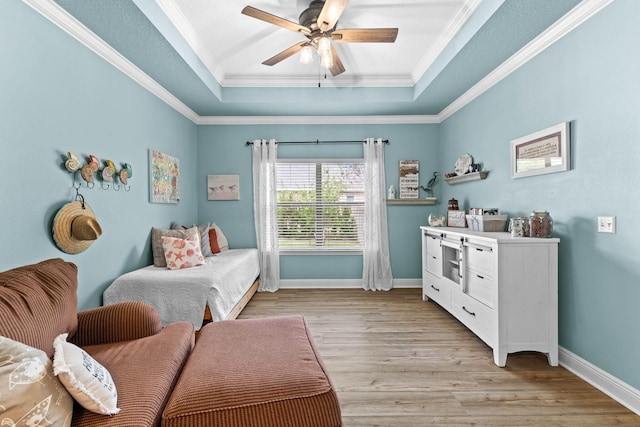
x: 456, y: 219
x: 545, y: 151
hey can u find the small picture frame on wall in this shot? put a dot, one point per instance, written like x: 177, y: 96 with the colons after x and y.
x: 223, y: 187
x: 456, y: 219
x: 542, y: 152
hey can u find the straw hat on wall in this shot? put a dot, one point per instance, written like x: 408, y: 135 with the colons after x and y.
x: 75, y: 227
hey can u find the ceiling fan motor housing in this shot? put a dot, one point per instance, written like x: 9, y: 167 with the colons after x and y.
x: 309, y: 17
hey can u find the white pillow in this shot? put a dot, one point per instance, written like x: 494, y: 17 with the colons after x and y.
x: 223, y: 243
x: 182, y: 253
x: 85, y: 379
x: 28, y: 388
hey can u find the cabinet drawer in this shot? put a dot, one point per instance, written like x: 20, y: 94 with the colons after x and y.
x: 433, y: 244
x: 437, y: 291
x: 475, y: 315
x: 480, y: 286
x: 481, y: 258
x: 434, y: 264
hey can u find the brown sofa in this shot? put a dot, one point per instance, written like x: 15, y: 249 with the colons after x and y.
x: 258, y: 372
x: 38, y: 302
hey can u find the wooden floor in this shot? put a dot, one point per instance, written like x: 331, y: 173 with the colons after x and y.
x: 399, y: 361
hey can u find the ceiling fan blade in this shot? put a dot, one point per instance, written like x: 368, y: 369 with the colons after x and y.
x: 337, y: 67
x: 330, y: 13
x: 275, y: 20
x: 285, y: 53
x: 365, y: 35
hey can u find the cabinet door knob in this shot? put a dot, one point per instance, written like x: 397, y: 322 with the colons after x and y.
x: 434, y: 288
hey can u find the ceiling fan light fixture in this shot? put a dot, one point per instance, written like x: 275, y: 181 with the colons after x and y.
x: 326, y: 60
x: 324, y: 45
x: 306, y: 55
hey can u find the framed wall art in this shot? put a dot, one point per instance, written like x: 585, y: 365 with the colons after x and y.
x: 456, y: 219
x: 223, y: 187
x: 409, y: 171
x: 546, y: 151
x: 164, y: 180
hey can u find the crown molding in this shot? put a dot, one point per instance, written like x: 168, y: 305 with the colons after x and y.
x: 317, y: 120
x: 570, y: 21
x: 361, y: 81
x: 445, y: 38
x: 182, y: 25
x: 62, y: 19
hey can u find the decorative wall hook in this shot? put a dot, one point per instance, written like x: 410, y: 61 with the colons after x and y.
x: 125, y: 173
x: 107, y: 173
x: 108, y: 176
x: 73, y: 163
x: 79, y: 197
x: 87, y: 174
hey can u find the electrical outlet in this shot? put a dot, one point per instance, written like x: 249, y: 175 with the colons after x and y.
x: 606, y: 224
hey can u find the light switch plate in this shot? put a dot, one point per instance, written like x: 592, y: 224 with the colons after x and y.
x: 606, y: 224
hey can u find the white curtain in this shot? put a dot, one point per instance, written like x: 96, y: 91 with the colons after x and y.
x: 376, y: 265
x: 264, y: 208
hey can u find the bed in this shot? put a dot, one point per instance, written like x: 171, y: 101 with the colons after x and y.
x: 217, y: 290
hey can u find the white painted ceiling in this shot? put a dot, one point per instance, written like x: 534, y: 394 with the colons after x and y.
x: 233, y: 46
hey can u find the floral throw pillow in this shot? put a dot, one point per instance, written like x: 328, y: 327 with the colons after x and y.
x: 182, y: 253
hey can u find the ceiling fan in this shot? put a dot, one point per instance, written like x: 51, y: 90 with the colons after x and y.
x: 318, y: 24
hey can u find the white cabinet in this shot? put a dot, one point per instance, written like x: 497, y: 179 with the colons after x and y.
x: 503, y: 288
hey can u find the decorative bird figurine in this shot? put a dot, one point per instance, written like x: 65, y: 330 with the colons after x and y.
x: 432, y: 181
x: 430, y: 184
x: 73, y: 163
x: 94, y: 162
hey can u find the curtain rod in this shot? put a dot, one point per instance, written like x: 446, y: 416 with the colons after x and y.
x: 386, y: 141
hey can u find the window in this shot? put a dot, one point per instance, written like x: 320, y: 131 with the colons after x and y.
x: 320, y: 204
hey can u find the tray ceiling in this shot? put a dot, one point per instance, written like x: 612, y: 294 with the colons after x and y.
x: 209, y: 55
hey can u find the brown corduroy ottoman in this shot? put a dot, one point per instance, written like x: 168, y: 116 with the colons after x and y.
x: 254, y: 372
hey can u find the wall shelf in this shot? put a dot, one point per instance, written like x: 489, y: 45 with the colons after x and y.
x: 473, y: 176
x: 425, y: 201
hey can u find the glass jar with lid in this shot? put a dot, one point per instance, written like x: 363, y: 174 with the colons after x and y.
x: 437, y: 220
x: 519, y: 226
x: 540, y: 224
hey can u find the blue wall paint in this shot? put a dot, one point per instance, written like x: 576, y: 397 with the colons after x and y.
x: 58, y: 96
x: 222, y: 150
x: 589, y: 78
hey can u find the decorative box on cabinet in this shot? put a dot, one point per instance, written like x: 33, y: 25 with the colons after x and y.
x: 503, y: 288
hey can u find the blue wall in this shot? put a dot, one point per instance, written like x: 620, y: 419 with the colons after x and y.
x: 591, y: 79
x: 222, y: 150
x: 57, y: 96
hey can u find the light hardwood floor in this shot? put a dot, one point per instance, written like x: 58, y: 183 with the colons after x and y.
x: 396, y: 360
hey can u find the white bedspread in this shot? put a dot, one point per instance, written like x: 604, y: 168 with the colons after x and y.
x: 181, y: 295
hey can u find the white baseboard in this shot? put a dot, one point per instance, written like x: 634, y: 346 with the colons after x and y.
x: 618, y: 390
x: 341, y: 283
